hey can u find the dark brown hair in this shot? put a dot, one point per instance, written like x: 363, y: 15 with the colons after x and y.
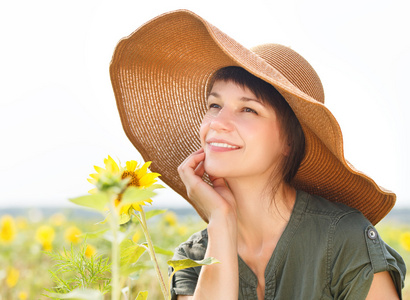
x: 291, y: 130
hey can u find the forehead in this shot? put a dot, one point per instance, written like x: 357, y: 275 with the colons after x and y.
x: 224, y: 87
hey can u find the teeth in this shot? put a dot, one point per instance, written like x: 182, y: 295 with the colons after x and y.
x: 223, y: 145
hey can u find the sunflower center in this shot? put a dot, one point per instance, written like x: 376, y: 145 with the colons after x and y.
x: 133, y: 178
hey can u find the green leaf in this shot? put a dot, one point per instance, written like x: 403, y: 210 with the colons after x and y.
x: 134, y: 194
x: 124, y: 218
x: 95, y: 234
x: 142, y: 295
x: 154, y: 212
x: 80, y: 294
x: 95, y: 201
x: 189, y: 263
x: 159, y: 250
x: 130, y: 252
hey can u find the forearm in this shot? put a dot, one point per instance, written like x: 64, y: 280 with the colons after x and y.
x: 220, y: 281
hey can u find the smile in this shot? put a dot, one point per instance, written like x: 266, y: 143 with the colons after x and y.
x: 223, y: 145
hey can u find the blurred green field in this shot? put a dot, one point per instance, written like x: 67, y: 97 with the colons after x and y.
x: 26, y: 236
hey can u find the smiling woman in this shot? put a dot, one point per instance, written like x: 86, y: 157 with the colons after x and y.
x: 268, y: 172
x: 244, y: 135
x: 261, y: 99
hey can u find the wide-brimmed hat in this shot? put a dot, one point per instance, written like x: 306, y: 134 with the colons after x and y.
x: 160, y: 75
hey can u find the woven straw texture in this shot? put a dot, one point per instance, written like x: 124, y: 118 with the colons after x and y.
x: 160, y: 75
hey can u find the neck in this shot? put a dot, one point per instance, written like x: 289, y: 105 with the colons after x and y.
x: 257, y: 208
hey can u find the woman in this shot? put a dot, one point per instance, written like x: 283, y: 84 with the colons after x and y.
x: 287, y: 216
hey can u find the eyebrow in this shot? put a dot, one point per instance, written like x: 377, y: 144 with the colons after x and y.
x: 243, y: 99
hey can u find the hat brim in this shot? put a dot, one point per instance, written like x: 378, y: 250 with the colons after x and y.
x: 160, y: 74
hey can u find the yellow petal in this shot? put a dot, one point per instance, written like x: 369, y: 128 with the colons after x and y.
x: 95, y: 176
x: 111, y: 165
x: 131, y: 165
x: 92, y: 181
x: 93, y: 191
x: 125, y: 208
x: 141, y: 172
x: 136, y: 205
x: 98, y: 169
x: 148, y: 179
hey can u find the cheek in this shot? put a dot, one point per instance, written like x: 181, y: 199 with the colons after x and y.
x: 203, y: 130
x: 269, y: 140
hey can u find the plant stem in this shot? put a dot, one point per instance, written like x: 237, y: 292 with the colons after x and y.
x: 151, y: 251
x: 115, y: 275
x: 170, y: 282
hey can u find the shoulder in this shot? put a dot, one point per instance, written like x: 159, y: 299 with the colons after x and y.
x: 334, y: 212
x: 339, y: 229
x: 341, y: 221
x: 345, y: 227
x: 355, y: 250
x: 195, y: 247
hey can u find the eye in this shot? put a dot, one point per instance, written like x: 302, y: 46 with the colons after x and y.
x: 247, y: 109
x: 213, y: 105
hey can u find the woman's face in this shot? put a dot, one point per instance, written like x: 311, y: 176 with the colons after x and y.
x: 239, y: 133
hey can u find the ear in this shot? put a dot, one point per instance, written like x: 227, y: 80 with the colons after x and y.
x: 286, y: 148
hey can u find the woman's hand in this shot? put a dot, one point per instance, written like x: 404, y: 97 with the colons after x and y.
x: 209, y: 199
x: 219, y: 281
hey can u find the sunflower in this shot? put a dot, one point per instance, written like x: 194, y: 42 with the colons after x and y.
x: 7, y: 229
x: 405, y: 240
x: 118, y: 179
x: 90, y: 250
x: 106, y: 179
x: 12, y: 277
x: 72, y: 234
x: 45, y: 235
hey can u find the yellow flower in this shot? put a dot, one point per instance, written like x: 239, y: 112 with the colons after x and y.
x: 22, y: 295
x: 7, y: 229
x: 12, y: 277
x: 72, y: 234
x: 137, y: 177
x: 182, y: 230
x: 45, y: 236
x: 90, y: 250
x: 58, y: 219
x: 405, y: 240
x: 170, y: 219
x: 105, y: 178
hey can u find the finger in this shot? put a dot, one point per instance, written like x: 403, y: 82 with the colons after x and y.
x: 217, y: 181
x: 193, y: 160
x: 200, y: 169
x: 188, y: 169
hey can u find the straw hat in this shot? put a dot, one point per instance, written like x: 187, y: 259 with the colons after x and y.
x: 160, y: 73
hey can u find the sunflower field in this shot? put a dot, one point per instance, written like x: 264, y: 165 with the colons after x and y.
x: 32, y: 240
x: 28, y: 237
x: 117, y: 247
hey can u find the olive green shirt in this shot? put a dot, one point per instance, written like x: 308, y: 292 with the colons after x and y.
x: 327, y: 251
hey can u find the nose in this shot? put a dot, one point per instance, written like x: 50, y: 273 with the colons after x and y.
x: 222, y: 121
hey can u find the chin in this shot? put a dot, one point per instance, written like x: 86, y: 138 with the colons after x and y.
x: 215, y: 170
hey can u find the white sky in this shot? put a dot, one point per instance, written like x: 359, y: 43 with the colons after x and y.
x: 58, y: 116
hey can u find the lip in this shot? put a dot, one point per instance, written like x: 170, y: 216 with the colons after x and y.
x: 220, y: 145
